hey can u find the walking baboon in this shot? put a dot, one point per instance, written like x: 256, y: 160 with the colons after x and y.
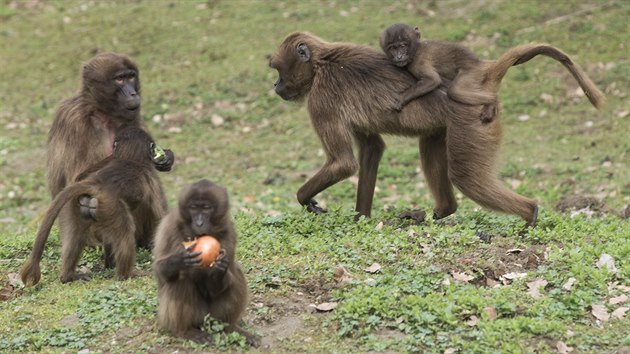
x: 83, y: 132
x: 126, y: 203
x: 430, y: 61
x: 351, y: 89
x: 187, y: 293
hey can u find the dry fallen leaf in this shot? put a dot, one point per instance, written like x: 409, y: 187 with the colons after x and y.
x: 462, y: 277
x: 326, y: 306
x: 606, y: 260
x: 600, y: 312
x: 472, y: 321
x: 534, y: 288
x: 378, y: 226
x: 563, y: 348
x: 513, y: 275
x: 618, y: 300
x: 375, y: 267
x: 491, y: 312
x: 619, y: 313
x: 342, y: 275
x: 514, y: 250
x: 450, y: 350
x: 569, y: 284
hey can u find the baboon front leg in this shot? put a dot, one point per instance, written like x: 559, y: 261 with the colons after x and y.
x: 435, y: 168
x: 371, y: 149
x: 340, y: 164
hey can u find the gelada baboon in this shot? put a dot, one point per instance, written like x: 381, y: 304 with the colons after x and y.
x: 351, y: 90
x: 126, y: 203
x: 186, y: 291
x: 83, y: 132
x: 430, y: 61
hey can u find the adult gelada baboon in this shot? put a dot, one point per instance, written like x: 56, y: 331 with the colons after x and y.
x: 125, y: 204
x: 430, y: 61
x: 187, y: 292
x: 351, y: 91
x: 83, y: 132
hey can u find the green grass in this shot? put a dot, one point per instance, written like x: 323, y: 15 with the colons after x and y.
x: 202, y: 59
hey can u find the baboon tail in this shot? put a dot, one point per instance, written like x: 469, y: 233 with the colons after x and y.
x: 523, y: 53
x: 30, y: 272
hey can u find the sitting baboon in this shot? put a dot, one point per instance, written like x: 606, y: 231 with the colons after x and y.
x: 187, y: 292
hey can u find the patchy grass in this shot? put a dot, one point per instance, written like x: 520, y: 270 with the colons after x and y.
x: 474, y: 282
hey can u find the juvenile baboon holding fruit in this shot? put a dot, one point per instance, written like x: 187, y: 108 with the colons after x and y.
x: 351, y: 91
x: 124, y: 202
x: 430, y: 61
x: 188, y: 292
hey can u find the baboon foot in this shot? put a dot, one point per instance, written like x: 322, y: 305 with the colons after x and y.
x: 87, y: 206
x: 68, y: 278
x: 313, y: 208
x: 416, y: 215
x: 534, y: 219
x: 198, y: 336
x: 488, y: 113
x: 251, y: 339
x: 443, y: 212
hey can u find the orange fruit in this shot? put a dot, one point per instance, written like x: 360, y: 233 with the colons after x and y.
x: 209, y: 248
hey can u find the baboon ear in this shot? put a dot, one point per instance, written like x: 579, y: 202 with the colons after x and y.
x: 417, y: 31
x: 303, y: 52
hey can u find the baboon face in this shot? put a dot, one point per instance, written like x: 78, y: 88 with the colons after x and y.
x: 294, y: 62
x: 112, y: 84
x: 400, y: 42
x: 204, y: 205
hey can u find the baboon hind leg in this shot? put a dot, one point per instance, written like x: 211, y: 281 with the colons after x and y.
x: 73, y: 234
x: 121, y: 236
x: 472, y: 152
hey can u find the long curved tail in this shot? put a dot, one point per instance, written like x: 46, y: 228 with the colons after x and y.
x: 30, y: 272
x: 523, y: 53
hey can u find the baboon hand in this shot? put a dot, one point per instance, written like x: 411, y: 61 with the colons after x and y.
x: 313, y: 208
x: 186, y: 259
x: 165, y: 164
x: 222, y: 262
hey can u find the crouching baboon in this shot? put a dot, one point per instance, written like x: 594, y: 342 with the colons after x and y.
x: 186, y: 291
x: 430, y: 61
x: 123, y: 197
x: 351, y: 91
x: 83, y: 132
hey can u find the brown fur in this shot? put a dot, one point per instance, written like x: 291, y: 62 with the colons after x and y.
x: 351, y: 90
x: 187, y: 292
x: 83, y: 132
x: 130, y: 204
x: 474, y: 81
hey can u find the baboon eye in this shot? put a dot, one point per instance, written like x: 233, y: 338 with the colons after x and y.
x: 119, y: 80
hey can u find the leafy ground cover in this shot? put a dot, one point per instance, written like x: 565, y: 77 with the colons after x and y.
x: 473, y: 282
